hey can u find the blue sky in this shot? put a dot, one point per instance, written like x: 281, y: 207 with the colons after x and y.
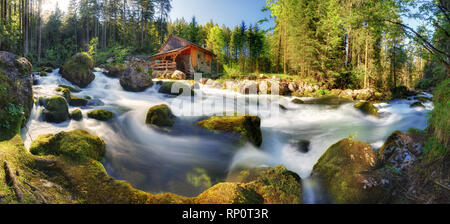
x: 228, y: 12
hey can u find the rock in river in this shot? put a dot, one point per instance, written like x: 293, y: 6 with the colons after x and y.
x: 247, y: 126
x: 160, y: 115
x: 78, y: 69
x: 367, y: 108
x: 101, y: 114
x: 56, y: 109
x: 76, y: 115
x: 345, y: 169
x: 176, y: 89
x: 136, y: 79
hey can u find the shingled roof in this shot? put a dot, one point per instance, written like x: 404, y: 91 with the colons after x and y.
x: 182, y: 44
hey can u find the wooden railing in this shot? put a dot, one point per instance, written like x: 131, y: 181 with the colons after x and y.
x: 163, y: 65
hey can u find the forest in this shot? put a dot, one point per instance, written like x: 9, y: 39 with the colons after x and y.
x: 350, y: 43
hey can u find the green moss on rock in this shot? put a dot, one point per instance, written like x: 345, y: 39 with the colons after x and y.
x: 77, y: 101
x: 277, y: 185
x: 76, y: 169
x: 229, y: 193
x: 160, y: 115
x: 274, y: 185
x: 70, y: 88
x: 169, y: 88
x: 78, y: 69
x: 247, y: 126
x: 297, y: 101
x: 327, y: 100
x: 56, y: 109
x: 76, y: 115
x: 345, y: 170
x: 367, y: 108
x: 16, y: 94
x: 101, y: 114
x: 77, y: 145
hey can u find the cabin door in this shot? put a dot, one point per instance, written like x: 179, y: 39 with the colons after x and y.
x: 181, y: 64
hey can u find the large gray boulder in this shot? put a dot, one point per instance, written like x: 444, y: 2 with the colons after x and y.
x: 401, y: 151
x: 136, y: 79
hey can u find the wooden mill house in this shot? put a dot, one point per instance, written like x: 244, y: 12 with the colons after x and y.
x: 180, y: 54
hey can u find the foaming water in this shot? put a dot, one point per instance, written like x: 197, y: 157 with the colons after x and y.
x: 158, y: 160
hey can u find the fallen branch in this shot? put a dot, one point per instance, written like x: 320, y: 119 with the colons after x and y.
x: 36, y: 192
x: 12, y: 179
x: 44, y: 162
x: 442, y: 185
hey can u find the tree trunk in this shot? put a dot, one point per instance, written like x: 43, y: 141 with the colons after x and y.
x: 39, y: 38
x: 347, y: 47
x: 285, y: 48
x: 366, y: 75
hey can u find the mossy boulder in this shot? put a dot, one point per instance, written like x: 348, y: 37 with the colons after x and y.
x: 367, y: 108
x: 116, y: 71
x: 136, y: 78
x: 77, y: 101
x: 229, y: 193
x: 277, y: 185
x: 70, y: 88
x: 16, y: 93
x: 345, y: 170
x: 76, y: 115
x: 297, y: 101
x: 401, y: 151
x: 78, y: 145
x: 417, y: 104
x: 73, y: 100
x: 176, y: 89
x: 249, y: 127
x: 100, y: 114
x: 24, y: 168
x: 327, y: 100
x: 73, y: 164
x: 160, y: 115
x: 64, y: 92
x: 78, y: 69
x: 274, y: 185
x: 56, y: 109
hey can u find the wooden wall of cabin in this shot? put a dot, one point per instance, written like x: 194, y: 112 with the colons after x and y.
x: 200, y: 61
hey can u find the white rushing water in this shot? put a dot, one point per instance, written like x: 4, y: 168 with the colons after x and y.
x: 156, y: 160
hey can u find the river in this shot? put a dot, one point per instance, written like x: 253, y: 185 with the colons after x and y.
x: 160, y: 160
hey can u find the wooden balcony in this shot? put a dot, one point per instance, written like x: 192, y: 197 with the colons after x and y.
x: 163, y: 65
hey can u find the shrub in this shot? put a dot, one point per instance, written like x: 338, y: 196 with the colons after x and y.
x: 439, y: 123
x: 232, y: 71
x: 346, y: 80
